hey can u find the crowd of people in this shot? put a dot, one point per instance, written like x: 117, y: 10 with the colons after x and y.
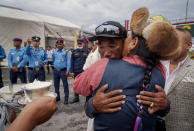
x: 63, y: 63
x: 137, y: 81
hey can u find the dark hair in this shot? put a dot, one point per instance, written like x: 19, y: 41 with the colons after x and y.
x: 147, y: 56
x: 186, y: 31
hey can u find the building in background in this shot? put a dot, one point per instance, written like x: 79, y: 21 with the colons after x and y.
x: 19, y: 23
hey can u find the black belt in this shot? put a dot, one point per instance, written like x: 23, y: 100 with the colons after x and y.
x: 64, y: 69
x: 35, y: 69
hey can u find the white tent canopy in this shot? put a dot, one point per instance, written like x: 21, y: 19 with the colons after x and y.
x: 19, y: 23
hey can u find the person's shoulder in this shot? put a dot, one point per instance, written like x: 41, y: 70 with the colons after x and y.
x: 22, y: 49
x: 75, y: 51
x: 1, y: 48
x: 86, y: 51
x: 100, y: 64
x: 55, y: 52
x: 42, y: 50
x: 11, y: 50
x: 64, y: 51
x: 190, y: 66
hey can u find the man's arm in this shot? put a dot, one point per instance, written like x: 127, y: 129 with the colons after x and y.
x: 23, y: 62
x: 89, y: 80
x: 68, y: 58
x: 35, y: 113
x: 104, y: 103
x: 28, y: 50
x: 9, y: 60
x: 45, y: 57
x: 2, y: 53
x: 72, y: 62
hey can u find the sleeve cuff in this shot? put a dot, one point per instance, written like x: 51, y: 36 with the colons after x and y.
x: 89, y: 109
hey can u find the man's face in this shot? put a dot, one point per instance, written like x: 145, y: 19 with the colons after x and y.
x: 35, y: 43
x: 48, y: 48
x: 17, y: 43
x: 80, y: 44
x: 110, y: 47
x: 60, y: 46
x: 185, y: 43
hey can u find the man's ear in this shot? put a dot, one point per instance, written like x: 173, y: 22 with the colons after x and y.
x: 189, y: 45
x: 133, y: 44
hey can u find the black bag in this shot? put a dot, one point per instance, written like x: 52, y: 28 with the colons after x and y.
x: 160, y: 124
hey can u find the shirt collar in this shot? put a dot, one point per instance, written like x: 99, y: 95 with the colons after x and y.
x: 18, y: 50
x: 59, y: 50
x: 167, y: 63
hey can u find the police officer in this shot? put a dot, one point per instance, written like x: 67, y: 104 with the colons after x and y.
x: 2, y: 56
x: 78, y: 59
x: 62, y: 65
x: 17, y: 61
x: 37, y: 59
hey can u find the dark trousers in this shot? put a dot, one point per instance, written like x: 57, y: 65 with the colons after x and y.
x: 32, y: 75
x: 1, y: 81
x: 21, y: 74
x: 57, y: 76
x: 48, y: 68
x: 76, y: 96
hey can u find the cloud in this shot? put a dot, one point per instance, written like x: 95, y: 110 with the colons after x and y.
x: 89, y: 13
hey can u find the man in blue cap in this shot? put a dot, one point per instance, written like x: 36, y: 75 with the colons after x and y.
x: 17, y: 61
x: 37, y: 59
x: 2, y: 56
x: 62, y: 65
x: 78, y: 59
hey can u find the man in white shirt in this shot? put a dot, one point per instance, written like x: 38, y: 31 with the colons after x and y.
x: 49, y: 55
x: 179, y: 87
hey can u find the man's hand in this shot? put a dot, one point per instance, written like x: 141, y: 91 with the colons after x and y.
x: 72, y: 75
x: 67, y: 73
x: 159, y: 99
x: 14, y: 69
x: 42, y: 63
x: 108, y: 103
x: 29, y: 41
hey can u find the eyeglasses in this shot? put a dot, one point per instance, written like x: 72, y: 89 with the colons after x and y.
x: 108, y: 29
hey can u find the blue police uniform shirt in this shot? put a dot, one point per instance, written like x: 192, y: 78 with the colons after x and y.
x: 36, y: 57
x: 61, y: 60
x: 78, y: 59
x: 17, y: 57
x: 2, y: 53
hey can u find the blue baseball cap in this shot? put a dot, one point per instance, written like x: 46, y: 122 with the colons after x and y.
x: 36, y: 38
x: 80, y: 40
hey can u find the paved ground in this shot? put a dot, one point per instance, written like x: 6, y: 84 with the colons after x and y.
x: 69, y: 117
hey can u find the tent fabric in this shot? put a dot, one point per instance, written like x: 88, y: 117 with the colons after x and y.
x: 19, y: 23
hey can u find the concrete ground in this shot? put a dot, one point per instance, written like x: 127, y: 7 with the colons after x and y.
x: 69, y: 117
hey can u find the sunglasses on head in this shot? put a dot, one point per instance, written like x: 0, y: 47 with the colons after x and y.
x: 108, y: 29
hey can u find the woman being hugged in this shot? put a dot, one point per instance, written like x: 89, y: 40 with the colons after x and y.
x: 139, y: 70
